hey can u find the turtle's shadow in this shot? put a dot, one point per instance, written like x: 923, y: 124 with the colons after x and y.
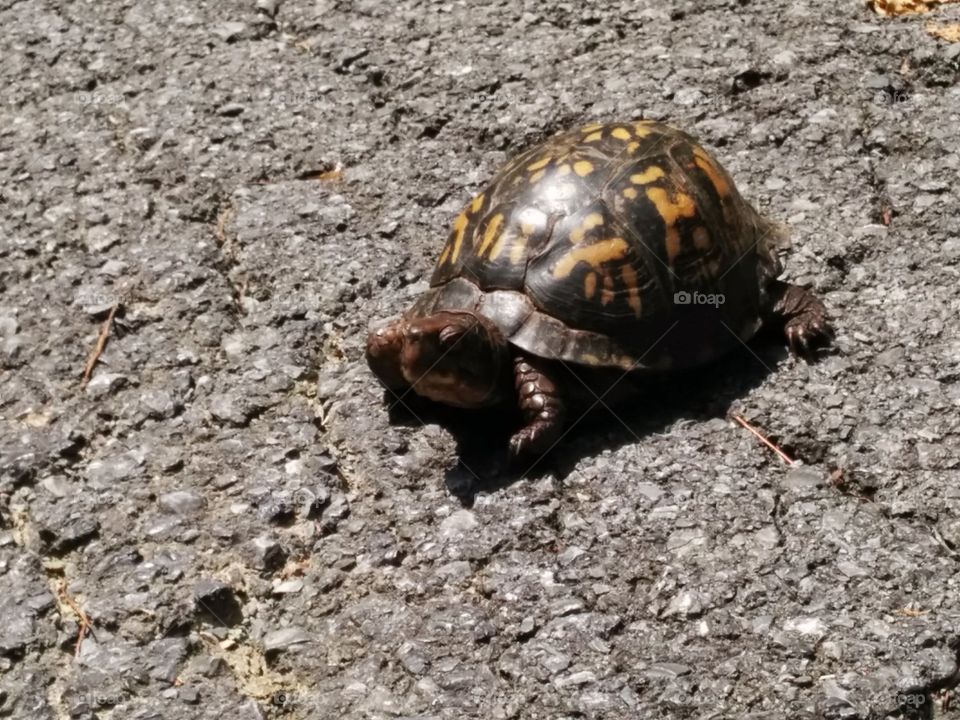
x: 656, y: 403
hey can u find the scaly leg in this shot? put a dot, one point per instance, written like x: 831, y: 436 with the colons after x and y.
x: 542, y: 407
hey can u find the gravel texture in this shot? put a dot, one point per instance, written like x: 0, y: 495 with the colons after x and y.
x: 253, y: 535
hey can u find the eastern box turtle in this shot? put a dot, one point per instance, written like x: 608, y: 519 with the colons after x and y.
x: 620, y: 246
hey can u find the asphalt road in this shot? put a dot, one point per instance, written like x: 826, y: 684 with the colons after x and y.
x: 250, y: 534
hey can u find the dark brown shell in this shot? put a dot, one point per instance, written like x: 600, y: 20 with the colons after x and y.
x: 578, y: 248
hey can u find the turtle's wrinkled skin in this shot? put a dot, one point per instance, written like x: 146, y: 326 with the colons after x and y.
x: 614, y: 246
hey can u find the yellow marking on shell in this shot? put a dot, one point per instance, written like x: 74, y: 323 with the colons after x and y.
x: 595, y: 255
x: 539, y: 164
x: 590, y: 359
x: 498, y: 245
x: 445, y: 254
x: 594, y: 136
x: 671, y: 210
x: 632, y: 147
x: 643, y: 128
x: 630, y: 193
x: 620, y: 133
x: 459, y: 227
x: 654, y: 172
x: 516, y: 252
x: 491, y: 233
x: 590, y: 285
x: 701, y: 238
x: 583, y: 167
x: 591, y: 127
x: 607, y: 294
x: 563, y: 170
x: 537, y: 176
x: 477, y: 203
x: 589, y: 223
x: 712, y: 171
x: 629, y: 276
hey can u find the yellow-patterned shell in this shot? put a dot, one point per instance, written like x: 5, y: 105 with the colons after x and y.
x: 581, y: 249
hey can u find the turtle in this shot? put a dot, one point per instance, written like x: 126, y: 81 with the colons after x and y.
x: 609, y: 249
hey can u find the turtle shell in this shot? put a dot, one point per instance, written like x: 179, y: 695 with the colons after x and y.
x: 613, y: 245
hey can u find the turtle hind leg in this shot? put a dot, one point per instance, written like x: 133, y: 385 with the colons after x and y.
x: 543, y: 409
x: 803, y: 315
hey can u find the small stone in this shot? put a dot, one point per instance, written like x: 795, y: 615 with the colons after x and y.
x: 288, y: 587
x: 903, y: 508
x: 101, y: 238
x: 337, y: 511
x: 104, y: 383
x: 164, y: 658
x: 268, y: 553
x: 684, y: 604
x: 142, y: 138
x: 669, y: 670
x: 231, y: 110
x: 803, y: 477
x: 8, y: 326
x: 284, y: 639
x: 113, y: 268
x: 68, y: 533
x: 806, y: 626
x: 851, y: 569
x: 217, y: 603
x: 784, y: 58
x: 651, y: 491
x: 210, y: 666
x: 268, y: 7
x: 413, y: 663
x: 58, y: 485
x: 768, y: 537
x: 578, y: 678
x: 925, y: 200
x: 484, y: 631
x: 877, y: 81
x: 567, y: 606
x: 159, y: 404
x: 229, y: 30
x: 556, y: 662
x: 570, y: 554
x: 527, y: 629
x: 226, y: 407
x: 12, y: 346
x: 181, y: 502
x: 458, y: 523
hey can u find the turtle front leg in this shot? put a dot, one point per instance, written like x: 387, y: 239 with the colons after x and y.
x: 803, y: 315
x: 542, y: 406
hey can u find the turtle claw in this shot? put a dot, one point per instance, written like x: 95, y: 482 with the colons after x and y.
x: 517, y: 445
x: 535, y: 440
x: 804, y: 318
x: 804, y: 332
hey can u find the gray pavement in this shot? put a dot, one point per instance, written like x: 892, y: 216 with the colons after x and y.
x: 249, y: 532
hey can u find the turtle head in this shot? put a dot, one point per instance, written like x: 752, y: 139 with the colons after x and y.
x: 457, y: 358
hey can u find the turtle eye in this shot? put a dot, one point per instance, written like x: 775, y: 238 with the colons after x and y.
x: 450, y: 335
